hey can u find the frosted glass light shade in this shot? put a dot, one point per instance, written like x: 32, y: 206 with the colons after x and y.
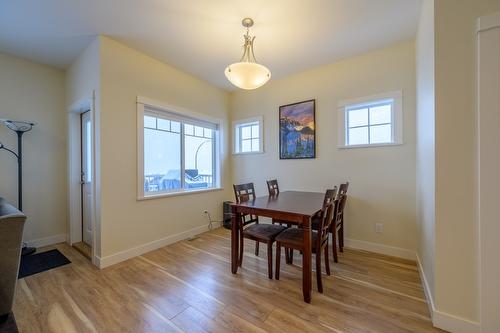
x: 247, y: 75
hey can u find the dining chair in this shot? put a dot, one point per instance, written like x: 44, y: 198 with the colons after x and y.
x: 293, y: 238
x: 272, y: 187
x: 251, y: 229
x: 337, y: 225
x: 315, y: 220
x: 342, y: 191
x: 273, y: 190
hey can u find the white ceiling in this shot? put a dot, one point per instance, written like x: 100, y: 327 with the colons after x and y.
x: 202, y: 37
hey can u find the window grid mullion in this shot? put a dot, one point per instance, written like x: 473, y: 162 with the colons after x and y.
x: 182, y: 157
x: 369, y: 137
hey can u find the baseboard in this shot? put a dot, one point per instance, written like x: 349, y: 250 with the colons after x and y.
x: 444, y: 320
x: 427, y: 289
x: 453, y: 323
x: 380, y: 248
x: 46, y: 241
x: 148, y: 247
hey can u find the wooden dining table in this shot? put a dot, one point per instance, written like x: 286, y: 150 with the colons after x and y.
x: 295, y: 207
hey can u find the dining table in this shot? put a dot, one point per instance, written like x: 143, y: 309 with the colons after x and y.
x: 295, y: 207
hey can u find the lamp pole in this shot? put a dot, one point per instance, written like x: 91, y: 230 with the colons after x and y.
x: 20, y: 127
x: 196, y: 154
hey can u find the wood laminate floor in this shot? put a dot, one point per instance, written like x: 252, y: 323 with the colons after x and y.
x: 188, y: 287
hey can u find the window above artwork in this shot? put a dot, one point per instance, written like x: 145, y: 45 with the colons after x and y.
x: 248, y: 136
x: 371, y: 121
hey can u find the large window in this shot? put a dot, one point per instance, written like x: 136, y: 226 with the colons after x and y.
x: 371, y: 121
x: 247, y: 136
x: 179, y: 153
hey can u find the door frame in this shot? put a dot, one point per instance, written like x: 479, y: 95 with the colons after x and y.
x: 74, y: 172
x: 487, y: 180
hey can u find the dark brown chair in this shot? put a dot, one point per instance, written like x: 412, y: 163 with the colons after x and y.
x: 342, y: 191
x: 272, y: 187
x: 293, y: 239
x: 337, y: 225
x: 251, y: 229
x: 273, y: 190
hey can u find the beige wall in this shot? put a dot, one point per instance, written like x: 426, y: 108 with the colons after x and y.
x: 424, y: 55
x: 456, y: 266
x: 125, y: 221
x: 34, y: 92
x: 382, y: 179
x: 83, y: 81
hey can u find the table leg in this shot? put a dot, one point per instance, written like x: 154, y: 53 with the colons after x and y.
x: 306, y: 261
x: 234, y: 240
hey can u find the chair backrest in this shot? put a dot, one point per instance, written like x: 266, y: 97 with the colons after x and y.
x: 244, y: 192
x: 326, y: 216
x: 330, y: 195
x: 343, y: 188
x: 11, y: 235
x: 272, y: 187
x: 339, y: 211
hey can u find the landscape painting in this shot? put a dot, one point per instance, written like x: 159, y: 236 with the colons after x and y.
x: 297, y: 130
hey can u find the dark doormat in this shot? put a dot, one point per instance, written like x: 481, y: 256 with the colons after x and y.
x: 8, y: 324
x: 41, y: 262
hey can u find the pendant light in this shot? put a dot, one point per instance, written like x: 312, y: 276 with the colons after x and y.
x: 247, y: 73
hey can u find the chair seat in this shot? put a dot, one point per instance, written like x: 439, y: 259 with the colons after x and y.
x: 294, y: 238
x: 266, y: 232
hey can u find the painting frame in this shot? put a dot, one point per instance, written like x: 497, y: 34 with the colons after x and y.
x: 284, y: 154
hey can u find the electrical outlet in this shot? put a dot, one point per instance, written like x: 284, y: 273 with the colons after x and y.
x: 379, y: 227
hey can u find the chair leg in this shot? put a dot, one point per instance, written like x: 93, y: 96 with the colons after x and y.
x: 270, y: 260
x: 240, y: 259
x: 256, y: 248
x: 278, y: 260
x: 290, y: 256
x: 318, y: 270
x: 334, y: 247
x: 327, y: 260
x: 341, y: 237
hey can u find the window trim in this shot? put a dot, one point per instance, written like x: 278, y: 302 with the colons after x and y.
x: 397, y: 118
x: 237, y: 124
x: 161, y: 108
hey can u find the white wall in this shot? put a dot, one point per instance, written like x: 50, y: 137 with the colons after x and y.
x: 426, y: 142
x: 29, y: 91
x: 488, y: 164
x: 456, y: 262
x: 382, y: 180
x: 83, y: 82
x: 126, y: 222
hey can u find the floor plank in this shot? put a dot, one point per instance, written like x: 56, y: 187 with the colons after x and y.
x: 188, y: 287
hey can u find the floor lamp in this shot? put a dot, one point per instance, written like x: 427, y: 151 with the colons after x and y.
x: 20, y: 127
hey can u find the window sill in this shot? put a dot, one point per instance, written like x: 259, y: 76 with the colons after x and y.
x: 179, y: 193
x: 371, y: 145
x: 250, y: 153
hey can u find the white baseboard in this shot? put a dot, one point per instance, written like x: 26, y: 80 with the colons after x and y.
x: 148, y: 247
x: 441, y: 319
x: 453, y: 323
x: 427, y: 289
x: 46, y: 241
x: 380, y: 248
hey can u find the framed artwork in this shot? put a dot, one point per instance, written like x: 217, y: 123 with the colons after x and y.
x: 297, y: 130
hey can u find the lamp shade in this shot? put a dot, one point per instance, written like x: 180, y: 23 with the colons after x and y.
x: 247, y: 75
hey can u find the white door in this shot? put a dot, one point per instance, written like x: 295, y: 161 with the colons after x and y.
x: 86, y: 179
x: 488, y: 168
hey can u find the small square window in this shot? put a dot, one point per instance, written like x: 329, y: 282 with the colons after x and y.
x: 375, y: 120
x: 247, y: 135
